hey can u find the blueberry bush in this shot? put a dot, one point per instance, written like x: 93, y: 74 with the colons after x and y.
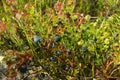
x: 60, y: 39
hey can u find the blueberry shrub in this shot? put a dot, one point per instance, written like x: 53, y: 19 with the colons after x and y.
x: 60, y: 39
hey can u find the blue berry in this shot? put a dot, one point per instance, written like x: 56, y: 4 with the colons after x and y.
x: 41, y: 76
x: 64, y: 67
x: 115, y: 34
x: 23, y: 68
x: 59, y: 22
x: 59, y: 52
x: 14, y: 59
x: 84, y: 49
x: 95, y: 39
x: 71, y: 68
x: 57, y: 38
x: 52, y: 58
x: 69, y: 51
x: 112, y: 79
x: 37, y: 39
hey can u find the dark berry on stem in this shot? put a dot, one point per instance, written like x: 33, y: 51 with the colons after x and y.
x: 112, y: 79
x: 41, y: 76
x: 57, y: 38
x: 14, y: 59
x: 84, y: 49
x: 23, y: 68
x: 52, y: 58
x: 95, y: 39
x: 63, y: 67
x: 59, y: 22
x: 115, y: 34
x: 69, y: 51
x: 59, y: 52
x: 71, y: 68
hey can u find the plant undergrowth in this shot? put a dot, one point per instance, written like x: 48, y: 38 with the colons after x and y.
x: 68, y: 39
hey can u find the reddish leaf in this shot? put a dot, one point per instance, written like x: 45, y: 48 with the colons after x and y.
x: 59, y: 8
x: 13, y: 76
x: 2, y: 27
x: 62, y: 48
x: 9, y: 66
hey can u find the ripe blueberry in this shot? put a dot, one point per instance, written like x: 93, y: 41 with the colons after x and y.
x: 95, y: 39
x: 14, y: 59
x: 112, y: 79
x: 37, y: 39
x: 84, y: 49
x: 41, y: 76
x: 63, y: 66
x: 71, y: 68
x: 23, y: 68
x: 57, y: 38
x: 59, y: 52
x: 115, y: 34
x: 59, y: 22
x: 69, y: 51
x: 52, y: 58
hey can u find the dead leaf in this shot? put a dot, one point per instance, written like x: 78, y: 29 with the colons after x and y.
x: 27, y: 5
x: 9, y: 52
x: 18, y: 16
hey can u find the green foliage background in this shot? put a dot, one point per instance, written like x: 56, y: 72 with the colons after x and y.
x: 98, y: 32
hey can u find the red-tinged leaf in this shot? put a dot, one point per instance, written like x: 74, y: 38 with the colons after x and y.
x: 13, y: 76
x: 78, y: 15
x: 56, y: 31
x: 14, y: 11
x: 20, y: 60
x: 28, y: 56
x: 66, y: 54
x: 59, y: 8
x: 82, y: 20
x: 97, y: 73
x: 71, y: 63
x: 9, y: 66
x: 2, y: 27
x: 110, y: 77
x: 17, y: 29
x: 63, y: 48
